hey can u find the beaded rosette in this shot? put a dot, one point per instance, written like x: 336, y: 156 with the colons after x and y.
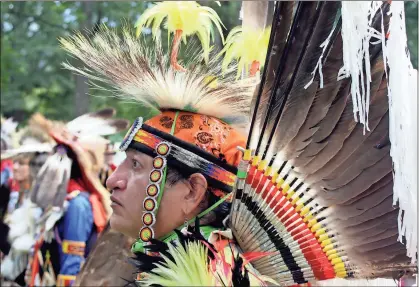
x: 154, y: 191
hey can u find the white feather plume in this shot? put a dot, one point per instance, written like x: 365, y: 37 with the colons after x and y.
x: 142, y: 74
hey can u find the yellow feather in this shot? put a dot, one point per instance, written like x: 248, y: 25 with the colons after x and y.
x: 188, y: 16
x: 188, y: 268
x: 246, y: 45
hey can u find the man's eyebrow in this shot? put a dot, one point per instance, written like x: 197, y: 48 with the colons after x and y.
x: 135, y: 153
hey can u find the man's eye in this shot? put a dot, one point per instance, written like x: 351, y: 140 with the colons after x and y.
x: 135, y: 164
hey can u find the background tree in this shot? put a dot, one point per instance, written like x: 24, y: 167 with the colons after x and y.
x: 32, y: 78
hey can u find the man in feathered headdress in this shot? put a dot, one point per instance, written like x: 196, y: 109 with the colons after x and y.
x: 188, y: 152
x: 183, y: 163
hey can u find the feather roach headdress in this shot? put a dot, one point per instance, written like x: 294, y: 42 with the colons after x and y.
x: 318, y: 191
x: 203, y: 114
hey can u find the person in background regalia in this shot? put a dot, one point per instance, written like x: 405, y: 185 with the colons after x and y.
x: 32, y: 146
x: 75, y: 204
x: 109, y: 165
x: 8, y: 128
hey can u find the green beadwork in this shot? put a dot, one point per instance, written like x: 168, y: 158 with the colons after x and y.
x: 137, y: 246
x: 241, y: 174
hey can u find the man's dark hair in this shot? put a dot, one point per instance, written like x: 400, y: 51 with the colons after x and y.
x: 214, y: 218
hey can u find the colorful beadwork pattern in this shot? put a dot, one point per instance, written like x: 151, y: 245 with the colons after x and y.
x: 150, y: 203
x: 131, y: 134
x: 186, y: 157
x: 73, y: 247
x: 65, y: 280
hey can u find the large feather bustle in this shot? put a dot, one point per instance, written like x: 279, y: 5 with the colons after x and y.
x: 142, y: 74
x: 337, y: 179
x: 280, y: 30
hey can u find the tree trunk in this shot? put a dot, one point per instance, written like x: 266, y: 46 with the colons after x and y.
x: 81, y: 97
x: 256, y: 14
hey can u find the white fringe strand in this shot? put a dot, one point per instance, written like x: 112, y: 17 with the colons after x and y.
x: 402, y: 96
x: 356, y: 35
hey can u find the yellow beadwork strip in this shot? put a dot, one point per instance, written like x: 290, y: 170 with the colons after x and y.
x: 255, y: 160
x: 275, y: 177
x: 247, y: 155
x: 262, y: 165
x: 268, y: 171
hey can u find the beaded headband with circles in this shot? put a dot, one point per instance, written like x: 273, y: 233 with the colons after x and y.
x: 157, y: 181
x: 144, y: 138
x: 154, y: 191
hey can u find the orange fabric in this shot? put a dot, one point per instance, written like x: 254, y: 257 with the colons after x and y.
x: 99, y: 212
x: 35, y: 261
x: 207, y: 133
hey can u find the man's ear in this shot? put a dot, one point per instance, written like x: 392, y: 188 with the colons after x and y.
x: 197, y: 185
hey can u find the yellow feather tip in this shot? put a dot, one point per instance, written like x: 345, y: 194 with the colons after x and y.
x: 246, y: 45
x: 187, y: 16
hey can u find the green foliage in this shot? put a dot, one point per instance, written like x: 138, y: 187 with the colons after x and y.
x: 32, y: 78
x: 411, y: 14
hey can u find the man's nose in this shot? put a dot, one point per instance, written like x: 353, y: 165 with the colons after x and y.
x: 116, y: 181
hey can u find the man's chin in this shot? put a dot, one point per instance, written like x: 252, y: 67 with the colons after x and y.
x: 114, y: 222
x: 117, y: 224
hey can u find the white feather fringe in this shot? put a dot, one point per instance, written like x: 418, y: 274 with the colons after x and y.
x: 22, y: 238
x: 356, y: 35
x: 402, y: 95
